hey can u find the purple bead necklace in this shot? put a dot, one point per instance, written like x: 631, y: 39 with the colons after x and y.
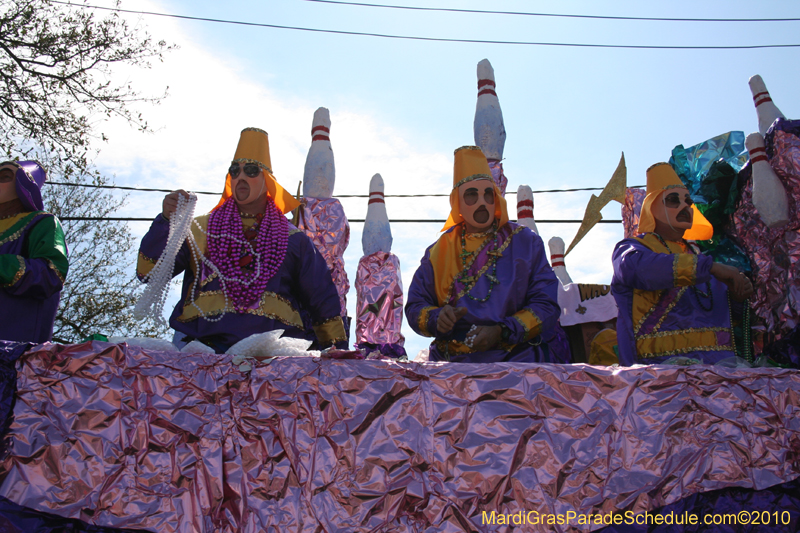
x: 225, y: 250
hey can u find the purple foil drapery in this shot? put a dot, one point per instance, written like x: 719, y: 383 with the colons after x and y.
x: 324, y: 221
x: 497, y: 173
x: 121, y: 437
x: 774, y: 253
x: 379, y: 308
x: 631, y: 209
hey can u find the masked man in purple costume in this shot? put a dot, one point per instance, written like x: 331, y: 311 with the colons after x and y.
x: 33, y: 255
x: 484, y: 290
x: 673, y: 300
x: 283, y: 277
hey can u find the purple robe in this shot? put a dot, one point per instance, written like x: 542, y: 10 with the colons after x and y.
x: 300, y: 298
x: 33, y: 265
x: 524, y: 300
x: 665, y: 305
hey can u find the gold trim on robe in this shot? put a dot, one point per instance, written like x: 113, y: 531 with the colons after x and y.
x: 331, y: 331
x: 424, y: 316
x: 213, y: 303
x: 529, y: 322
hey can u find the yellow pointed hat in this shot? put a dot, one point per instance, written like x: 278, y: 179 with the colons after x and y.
x: 253, y: 147
x: 661, y: 177
x: 470, y: 164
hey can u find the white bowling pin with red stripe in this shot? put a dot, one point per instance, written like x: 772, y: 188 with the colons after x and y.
x: 490, y: 132
x: 769, y: 195
x: 377, y: 234
x: 556, y: 245
x: 525, y: 208
x: 766, y: 109
x: 319, y: 174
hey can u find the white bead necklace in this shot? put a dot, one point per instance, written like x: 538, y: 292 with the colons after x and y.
x: 154, y: 296
x: 152, y: 300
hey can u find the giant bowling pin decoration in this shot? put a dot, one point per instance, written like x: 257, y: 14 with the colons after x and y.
x: 321, y: 216
x: 319, y: 174
x: 556, y: 245
x: 766, y: 110
x: 379, y: 288
x: 490, y: 132
x: 525, y: 208
x: 377, y: 235
x: 769, y: 195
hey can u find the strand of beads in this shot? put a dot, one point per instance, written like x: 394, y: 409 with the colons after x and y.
x: 493, y: 255
x: 154, y: 296
x: 271, y: 243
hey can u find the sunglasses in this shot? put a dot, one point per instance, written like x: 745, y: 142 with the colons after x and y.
x: 673, y: 200
x: 251, y: 170
x: 471, y: 196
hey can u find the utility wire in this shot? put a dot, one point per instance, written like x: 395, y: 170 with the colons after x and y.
x: 402, y: 221
x: 143, y: 189
x: 436, y: 39
x: 561, y: 15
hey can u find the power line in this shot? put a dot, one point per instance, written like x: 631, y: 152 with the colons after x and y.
x: 144, y: 189
x: 560, y: 15
x: 436, y: 39
x: 396, y: 221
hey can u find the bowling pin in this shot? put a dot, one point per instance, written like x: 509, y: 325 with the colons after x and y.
x: 490, y: 132
x: 769, y: 195
x: 556, y: 245
x: 767, y: 111
x: 525, y: 208
x: 377, y: 235
x: 319, y: 174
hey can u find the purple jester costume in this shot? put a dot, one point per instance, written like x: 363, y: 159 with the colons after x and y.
x: 500, y: 277
x: 299, y: 296
x: 33, y: 258
x: 669, y: 303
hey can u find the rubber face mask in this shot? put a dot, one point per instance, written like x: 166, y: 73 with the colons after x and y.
x: 674, y: 208
x: 476, y: 202
x: 247, y: 184
x: 8, y: 183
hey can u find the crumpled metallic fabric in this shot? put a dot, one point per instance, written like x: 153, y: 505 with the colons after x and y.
x: 693, y: 163
x: 631, y: 209
x: 324, y: 221
x: 121, y: 437
x: 499, y: 177
x: 774, y: 253
x: 379, y: 307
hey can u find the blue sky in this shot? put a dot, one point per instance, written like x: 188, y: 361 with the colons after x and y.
x: 401, y: 107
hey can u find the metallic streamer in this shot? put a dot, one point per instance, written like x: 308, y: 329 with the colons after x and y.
x: 379, y: 308
x: 324, y: 221
x: 631, y: 209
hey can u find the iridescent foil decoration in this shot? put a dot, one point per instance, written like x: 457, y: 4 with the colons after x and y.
x: 379, y: 308
x: 631, y: 209
x: 497, y: 173
x: 693, y: 163
x: 774, y: 253
x: 324, y: 221
x: 169, y: 442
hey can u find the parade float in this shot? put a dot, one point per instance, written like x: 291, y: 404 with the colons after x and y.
x: 114, y: 436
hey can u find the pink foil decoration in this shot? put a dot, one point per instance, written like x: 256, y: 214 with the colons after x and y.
x: 324, y: 221
x: 170, y: 442
x: 774, y: 253
x: 631, y: 209
x: 499, y: 177
x: 379, y: 308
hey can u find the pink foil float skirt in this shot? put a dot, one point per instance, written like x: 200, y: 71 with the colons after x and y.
x: 117, y: 436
